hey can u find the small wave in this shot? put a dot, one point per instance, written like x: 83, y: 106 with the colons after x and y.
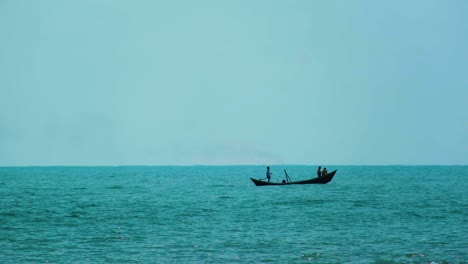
x: 413, y: 255
x: 75, y: 214
x: 86, y: 205
x: 359, y: 204
x: 10, y: 213
x: 384, y: 261
x: 115, y: 187
x: 222, y: 185
x: 312, y: 256
x: 208, y: 210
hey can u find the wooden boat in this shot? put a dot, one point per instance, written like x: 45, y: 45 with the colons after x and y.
x: 321, y: 180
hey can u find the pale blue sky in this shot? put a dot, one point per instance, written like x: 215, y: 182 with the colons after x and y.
x: 108, y: 82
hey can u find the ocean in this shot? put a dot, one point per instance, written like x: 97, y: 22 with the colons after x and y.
x: 215, y: 214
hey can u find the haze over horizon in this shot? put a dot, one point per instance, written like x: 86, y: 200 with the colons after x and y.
x: 233, y: 82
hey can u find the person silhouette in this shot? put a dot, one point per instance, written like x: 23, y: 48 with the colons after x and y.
x: 324, y: 172
x: 268, y: 174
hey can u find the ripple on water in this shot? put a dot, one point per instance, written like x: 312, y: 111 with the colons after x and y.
x: 148, y: 214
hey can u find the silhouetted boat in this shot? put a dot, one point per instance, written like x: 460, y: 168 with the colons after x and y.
x: 321, y: 180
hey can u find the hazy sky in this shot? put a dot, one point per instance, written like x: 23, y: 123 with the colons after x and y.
x: 106, y: 82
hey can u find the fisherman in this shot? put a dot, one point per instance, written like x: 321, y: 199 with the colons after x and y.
x: 268, y: 174
x: 324, y: 172
x: 319, y: 172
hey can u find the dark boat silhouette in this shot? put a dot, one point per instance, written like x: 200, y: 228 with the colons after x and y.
x: 321, y: 180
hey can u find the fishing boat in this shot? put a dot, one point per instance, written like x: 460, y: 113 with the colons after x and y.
x: 320, y: 180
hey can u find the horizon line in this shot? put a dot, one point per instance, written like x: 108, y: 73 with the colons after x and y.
x: 229, y: 165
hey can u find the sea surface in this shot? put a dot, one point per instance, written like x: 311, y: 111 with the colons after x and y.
x: 215, y: 214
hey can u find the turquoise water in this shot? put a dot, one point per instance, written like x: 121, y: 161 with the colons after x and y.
x: 382, y: 214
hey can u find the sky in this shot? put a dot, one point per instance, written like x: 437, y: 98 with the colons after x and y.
x: 109, y: 82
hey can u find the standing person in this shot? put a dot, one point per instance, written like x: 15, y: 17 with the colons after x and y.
x: 319, y: 172
x: 268, y: 174
x: 324, y: 172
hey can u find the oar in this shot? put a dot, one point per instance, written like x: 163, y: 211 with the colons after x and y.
x: 288, y: 179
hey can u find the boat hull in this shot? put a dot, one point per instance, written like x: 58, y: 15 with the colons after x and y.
x: 322, y: 180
